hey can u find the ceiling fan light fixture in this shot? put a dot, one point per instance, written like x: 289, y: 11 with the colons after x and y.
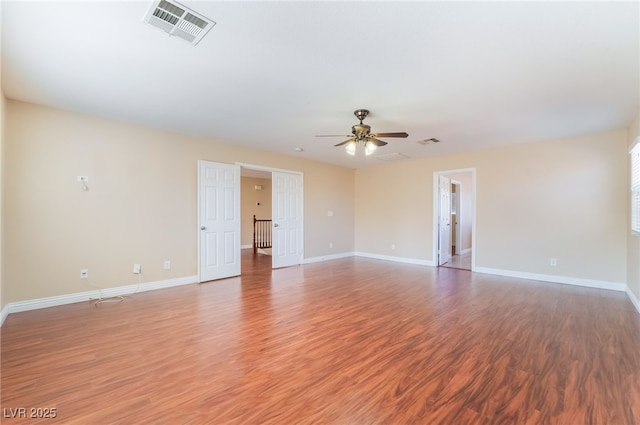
x: 361, y: 133
x: 350, y: 147
x: 369, y: 147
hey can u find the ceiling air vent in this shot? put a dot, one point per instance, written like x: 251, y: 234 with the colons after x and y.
x: 428, y: 141
x: 392, y: 157
x: 178, y: 20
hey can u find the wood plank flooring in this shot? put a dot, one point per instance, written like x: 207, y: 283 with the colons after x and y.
x: 348, y: 341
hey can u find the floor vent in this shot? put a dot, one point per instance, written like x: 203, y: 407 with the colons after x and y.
x: 392, y: 157
x: 178, y: 20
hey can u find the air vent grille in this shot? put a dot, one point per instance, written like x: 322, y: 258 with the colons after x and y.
x: 170, y: 7
x: 392, y: 157
x: 177, y: 20
x: 165, y: 16
x: 428, y: 141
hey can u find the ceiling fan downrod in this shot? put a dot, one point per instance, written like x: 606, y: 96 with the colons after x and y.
x: 361, y: 114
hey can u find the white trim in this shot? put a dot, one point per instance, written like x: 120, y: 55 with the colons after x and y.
x: 3, y: 314
x: 57, y: 300
x: 395, y: 259
x: 246, y: 246
x: 150, y: 286
x: 267, y: 169
x: 327, y: 257
x: 634, y: 143
x: 466, y: 251
x: 634, y: 300
x: 589, y: 283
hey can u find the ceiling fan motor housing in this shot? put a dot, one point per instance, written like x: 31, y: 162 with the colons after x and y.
x: 361, y: 114
x: 360, y: 131
x: 362, y: 134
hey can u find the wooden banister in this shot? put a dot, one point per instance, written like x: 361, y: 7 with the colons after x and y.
x: 261, y: 234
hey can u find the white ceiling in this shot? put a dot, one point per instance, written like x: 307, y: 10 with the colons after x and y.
x: 275, y: 74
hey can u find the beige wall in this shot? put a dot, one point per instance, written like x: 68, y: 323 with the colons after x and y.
x: 565, y: 199
x: 633, y: 241
x: 248, y: 205
x: 140, y: 206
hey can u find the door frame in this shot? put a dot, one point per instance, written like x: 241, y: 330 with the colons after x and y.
x: 444, y: 217
x: 280, y: 170
x: 436, y: 212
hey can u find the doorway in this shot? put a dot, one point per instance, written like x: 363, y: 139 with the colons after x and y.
x: 255, y: 203
x: 219, y: 218
x: 282, y: 203
x: 454, y: 218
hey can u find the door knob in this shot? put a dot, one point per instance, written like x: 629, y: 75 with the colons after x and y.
x: 275, y: 224
x: 203, y: 228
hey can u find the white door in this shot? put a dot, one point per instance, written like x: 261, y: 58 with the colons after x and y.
x: 218, y: 220
x: 287, y: 242
x: 456, y: 213
x: 444, y: 245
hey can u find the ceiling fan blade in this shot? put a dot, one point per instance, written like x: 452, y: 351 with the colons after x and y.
x: 402, y: 134
x: 345, y: 142
x: 376, y: 141
x: 333, y: 135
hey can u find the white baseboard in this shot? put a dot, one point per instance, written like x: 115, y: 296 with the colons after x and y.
x: 601, y: 284
x: 3, y: 314
x: 396, y: 259
x: 27, y: 305
x: 327, y: 257
x: 246, y: 246
x: 466, y: 251
x: 369, y: 255
x: 35, y: 304
x: 634, y: 300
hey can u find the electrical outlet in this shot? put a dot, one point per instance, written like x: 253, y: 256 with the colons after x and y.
x: 167, y: 265
x: 84, y: 273
x: 553, y: 262
x: 136, y: 268
x: 330, y: 244
x: 393, y: 247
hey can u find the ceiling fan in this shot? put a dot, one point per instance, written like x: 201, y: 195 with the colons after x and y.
x: 361, y: 133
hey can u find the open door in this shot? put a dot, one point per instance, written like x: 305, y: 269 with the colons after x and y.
x: 465, y: 213
x: 444, y: 222
x: 287, y: 219
x: 218, y: 220
x: 456, y: 217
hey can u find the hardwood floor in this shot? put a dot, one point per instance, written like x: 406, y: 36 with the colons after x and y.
x: 349, y: 341
x: 459, y: 262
